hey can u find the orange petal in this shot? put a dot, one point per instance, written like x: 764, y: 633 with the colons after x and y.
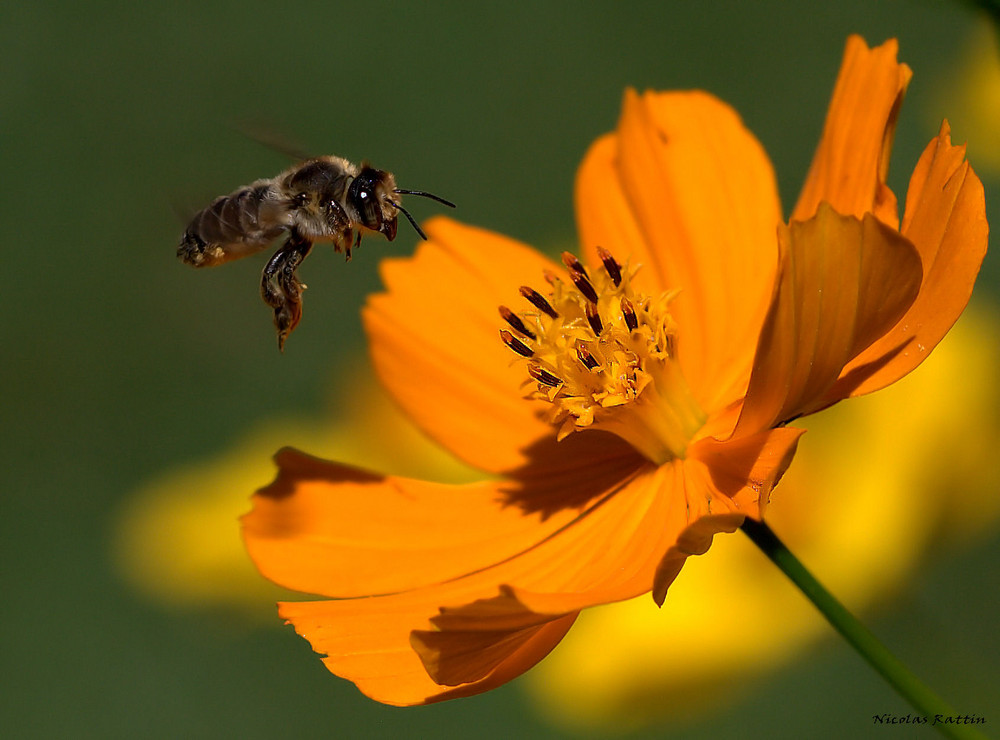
x: 710, y: 492
x: 946, y: 221
x: 435, y: 343
x: 350, y: 537
x: 686, y: 190
x: 746, y: 469
x: 612, y: 554
x: 562, y: 473
x: 329, y: 529
x: 850, y: 165
x: 743, y: 471
x: 494, y: 587
x: 474, y: 632
x: 843, y: 284
x: 368, y: 641
x: 469, y: 643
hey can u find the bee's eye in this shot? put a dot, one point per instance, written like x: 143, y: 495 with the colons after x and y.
x: 363, y: 195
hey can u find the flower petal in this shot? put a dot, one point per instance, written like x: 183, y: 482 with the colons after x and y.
x: 843, y: 284
x: 455, y: 546
x: 470, y: 643
x: 329, y: 529
x: 737, y: 475
x: 684, y: 189
x: 473, y: 632
x: 490, y: 589
x: 946, y: 221
x: 851, y: 163
x: 613, y: 555
x: 368, y: 641
x: 435, y: 344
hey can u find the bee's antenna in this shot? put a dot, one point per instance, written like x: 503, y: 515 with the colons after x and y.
x: 422, y: 194
x: 409, y: 217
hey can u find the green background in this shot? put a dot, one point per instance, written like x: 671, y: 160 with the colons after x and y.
x: 119, y: 362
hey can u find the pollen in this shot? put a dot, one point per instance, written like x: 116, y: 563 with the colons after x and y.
x: 602, y: 355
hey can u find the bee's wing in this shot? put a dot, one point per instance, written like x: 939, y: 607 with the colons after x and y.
x: 268, y: 136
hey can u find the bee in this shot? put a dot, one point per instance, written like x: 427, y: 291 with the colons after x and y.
x: 325, y: 199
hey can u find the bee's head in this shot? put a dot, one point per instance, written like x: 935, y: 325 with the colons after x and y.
x: 371, y: 195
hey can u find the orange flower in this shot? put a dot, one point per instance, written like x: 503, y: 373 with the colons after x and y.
x: 658, y: 398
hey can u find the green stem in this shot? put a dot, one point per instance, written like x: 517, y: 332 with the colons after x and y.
x: 911, y: 688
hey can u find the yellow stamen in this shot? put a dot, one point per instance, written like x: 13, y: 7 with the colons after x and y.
x: 602, y: 354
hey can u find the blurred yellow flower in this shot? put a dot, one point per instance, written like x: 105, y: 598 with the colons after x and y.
x: 922, y: 472
x: 177, y: 538
x: 971, y: 95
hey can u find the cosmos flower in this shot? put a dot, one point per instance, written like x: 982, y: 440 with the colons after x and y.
x: 648, y: 402
x: 921, y: 482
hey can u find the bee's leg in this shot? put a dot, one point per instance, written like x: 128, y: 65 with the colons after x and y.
x: 340, y: 228
x: 347, y: 239
x: 280, y: 287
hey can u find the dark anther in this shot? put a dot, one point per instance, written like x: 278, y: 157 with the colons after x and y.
x: 628, y: 311
x: 583, y: 285
x: 589, y: 361
x: 573, y: 264
x: 578, y: 274
x: 543, y: 376
x: 515, y: 344
x: 594, y: 319
x: 538, y: 301
x: 515, y: 323
x: 612, y: 267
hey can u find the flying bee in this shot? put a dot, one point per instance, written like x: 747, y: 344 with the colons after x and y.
x: 326, y: 199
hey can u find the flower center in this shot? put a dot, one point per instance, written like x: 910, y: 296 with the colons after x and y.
x: 602, y: 354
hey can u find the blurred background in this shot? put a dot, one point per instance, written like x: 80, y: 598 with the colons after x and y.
x: 141, y: 399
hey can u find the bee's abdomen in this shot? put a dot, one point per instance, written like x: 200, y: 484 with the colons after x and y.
x: 234, y: 226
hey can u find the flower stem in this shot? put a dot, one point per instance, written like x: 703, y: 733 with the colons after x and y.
x: 911, y: 688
